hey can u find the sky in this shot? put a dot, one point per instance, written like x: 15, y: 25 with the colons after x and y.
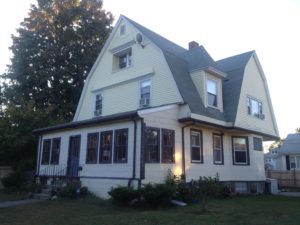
x: 224, y: 28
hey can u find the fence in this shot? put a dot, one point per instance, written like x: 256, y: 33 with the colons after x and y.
x: 4, y: 171
x: 286, y: 179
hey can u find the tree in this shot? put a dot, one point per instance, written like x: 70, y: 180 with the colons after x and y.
x: 53, y: 52
x: 298, y: 130
x: 276, y: 144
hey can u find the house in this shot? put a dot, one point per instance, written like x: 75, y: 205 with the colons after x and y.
x: 149, y: 106
x: 271, y: 159
x: 288, y: 155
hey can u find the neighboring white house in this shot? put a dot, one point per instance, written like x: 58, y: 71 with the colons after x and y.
x: 287, y: 156
x: 149, y: 106
x: 271, y: 159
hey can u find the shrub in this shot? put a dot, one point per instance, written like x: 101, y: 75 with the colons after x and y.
x: 14, y: 181
x: 156, y: 195
x: 124, y: 195
x: 73, y: 190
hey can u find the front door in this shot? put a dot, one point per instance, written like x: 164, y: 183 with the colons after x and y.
x: 73, y: 159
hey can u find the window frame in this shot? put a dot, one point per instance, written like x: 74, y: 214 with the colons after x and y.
x: 297, y: 167
x: 95, y: 104
x: 43, y: 160
x: 140, y: 93
x: 147, y: 160
x: 247, y: 163
x: 128, y: 56
x: 260, y: 115
x: 101, y: 149
x: 208, y: 79
x: 116, y: 145
x: 200, y: 146
x: 52, y: 162
x: 163, y: 146
x: 254, y: 145
x: 222, y: 149
x: 96, y: 148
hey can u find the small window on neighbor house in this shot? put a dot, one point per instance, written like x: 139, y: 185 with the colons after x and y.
x: 295, y: 162
x: 152, y: 139
x: 240, y: 150
x: 255, y: 108
x: 212, y: 90
x: 106, y: 147
x: 168, y: 146
x: 125, y: 59
x: 121, y: 146
x: 92, y: 148
x: 46, y: 151
x: 196, y: 146
x: 55, y: 151
x: 98, y: 104
x: 122, y: 30
x: 218, y: 149
x: 257, y: 144
x: 145, y: 88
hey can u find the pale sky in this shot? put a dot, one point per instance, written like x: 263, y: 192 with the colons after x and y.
x: 224, y: 28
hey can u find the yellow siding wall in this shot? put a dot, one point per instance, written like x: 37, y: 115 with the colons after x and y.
x: 253, y: 85
x: 124, y: 97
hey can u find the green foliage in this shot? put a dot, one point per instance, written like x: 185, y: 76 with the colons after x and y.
x: 53, y: 52
x: 14, y: 181
x: 124, y: 196
x: 73, y: 190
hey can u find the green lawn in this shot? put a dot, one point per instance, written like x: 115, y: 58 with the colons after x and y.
x: 239, y: 210
x: 4, y: 196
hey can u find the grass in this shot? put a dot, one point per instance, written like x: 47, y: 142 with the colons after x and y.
x: 256, y: 210
x: 5, y: 196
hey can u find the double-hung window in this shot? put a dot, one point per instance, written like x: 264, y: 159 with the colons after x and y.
x: 106, y: 147
x: 218, y: 149
x: 196, y: 146
x: 295, y: 162
x: 98, y: 104
x: 55, y: 150
x: 168, y: 146
x: 124, y: 59
x: 145, y: 89
x: 121, y: 145
x: 212, y: 90
x: 92, y: 148
x: 240, y: 151
x: 255, y: 108
x: 46, y: 151
x: 152, y: 139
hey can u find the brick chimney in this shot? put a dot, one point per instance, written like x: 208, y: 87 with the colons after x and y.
x: 193, y: 44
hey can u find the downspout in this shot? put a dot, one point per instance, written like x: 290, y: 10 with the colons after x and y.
x: 142, y: 153
x: 183, y: 150
x: 37, y: 173
x: 134, y: 155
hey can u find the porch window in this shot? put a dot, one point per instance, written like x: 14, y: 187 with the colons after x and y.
x: 196, y: 146
x: 240, y: 151
x: 218, y: 149
x: 46, y: 151
x: 92, y: 147
x: 121, y: 146
x: 55, y: 150
x: 152, y: 139
x: 168, y: 146
x: 106, y: 147
x: 257, y: 144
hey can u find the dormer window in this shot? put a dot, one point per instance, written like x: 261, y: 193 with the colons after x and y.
x: 98, y: 104
x: 145, y: 89
x: 125, y: 59
x: 255, y: 108
x: 212, y: 90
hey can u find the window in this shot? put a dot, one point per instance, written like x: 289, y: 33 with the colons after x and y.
x: 92, y: 146
x: 241, y: 187
x: 218, y: 149
x: 125, y: 59
x: 121, y: 145
x: 257, y: 144
x: 240, y: 151
x: 106, y: 147
x: 295, y: 162
x: 152, y: 139
x: 255, y: 108
x: 212, y: 98
x: 168, y: 145
x: 98, y: 105
x: 46, y: 151
x: 145, y: 87
x: 55, y: 150
x: 196, y: 146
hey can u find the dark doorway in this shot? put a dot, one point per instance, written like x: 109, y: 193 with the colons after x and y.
x: 73, y: 159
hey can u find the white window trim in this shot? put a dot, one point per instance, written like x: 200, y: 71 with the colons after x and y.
x: 219, y: 92
x: 94, y: 105
x: 139, y: 93
x: 262, y: 117
x: 296, y: 164
x: 221, y: 149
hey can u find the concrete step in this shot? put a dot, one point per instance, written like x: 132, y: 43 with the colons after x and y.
x: 42, y: 196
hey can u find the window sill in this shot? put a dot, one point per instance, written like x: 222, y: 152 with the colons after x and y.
x: 241, y: 164
x: 197, y: 162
